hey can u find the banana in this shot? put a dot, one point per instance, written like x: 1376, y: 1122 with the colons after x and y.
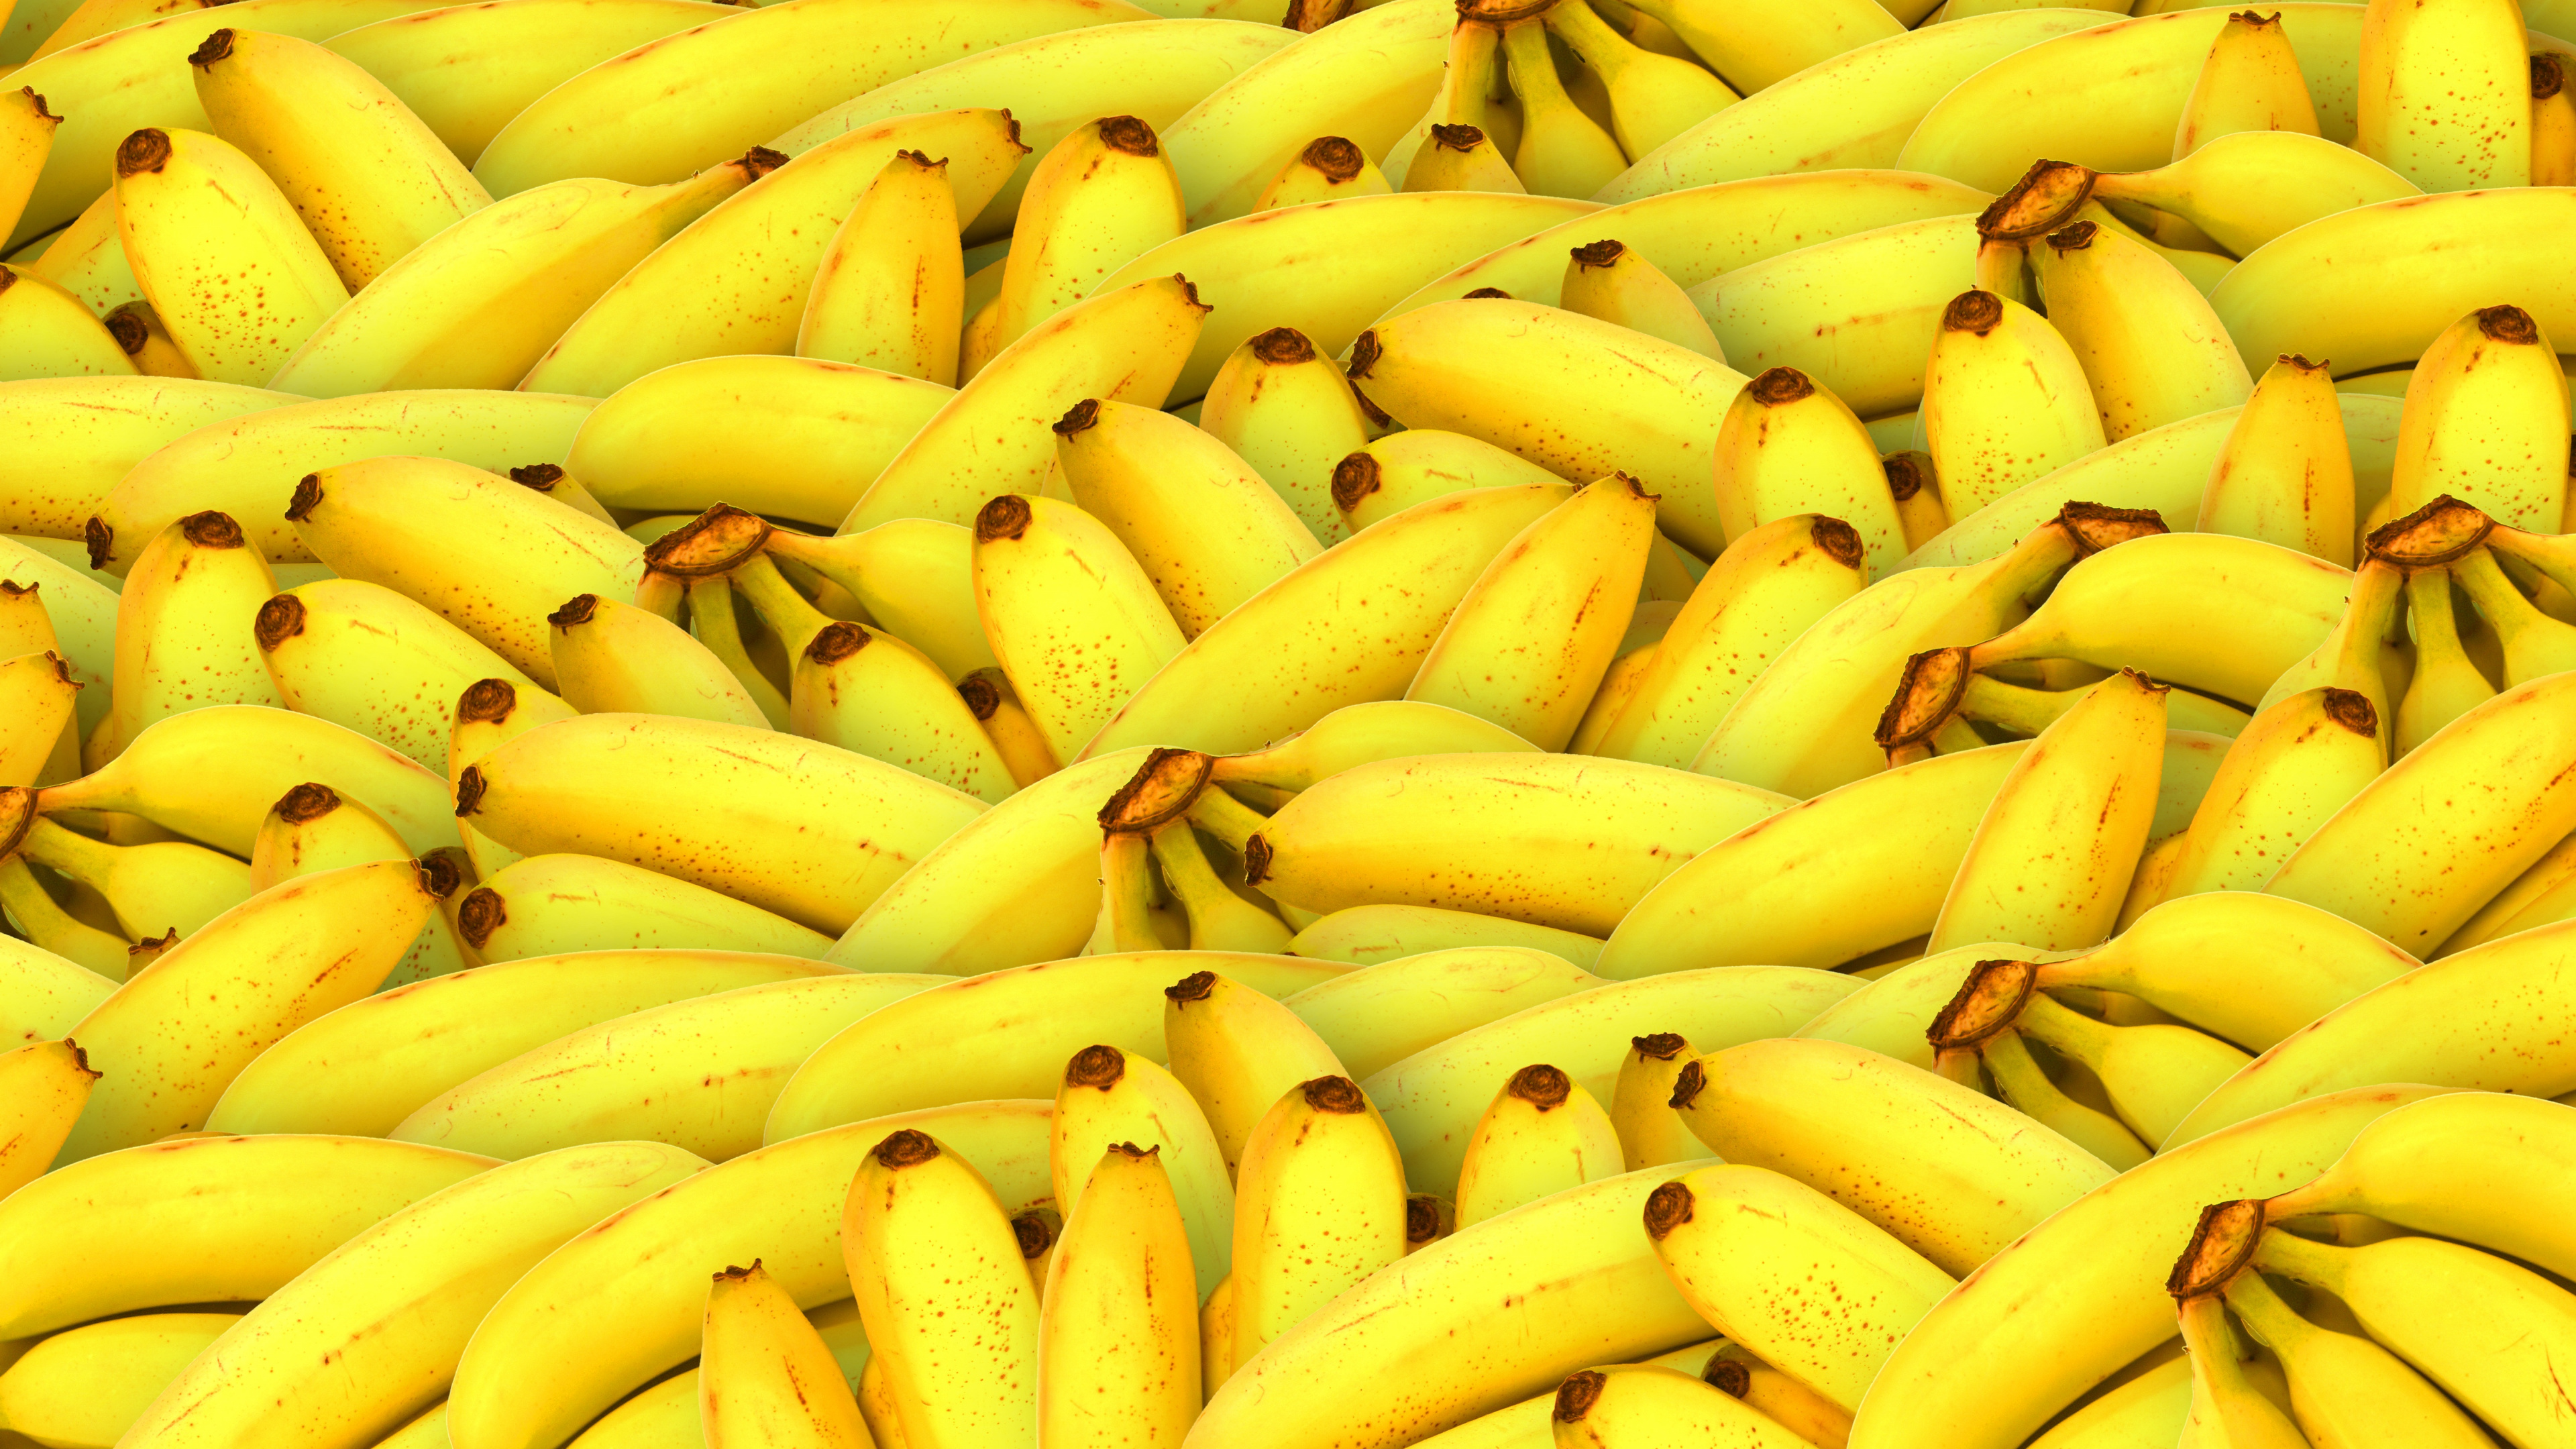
x: 1219, y: 918
x: 201, y: 1220
x: 2360, y: 286
x: 2250, y: 83
x: 1384, y: 476
x: 1868, y: 344
x: 1489, y: 659
x: 2065, y: 827
x: 2536, y: 898
x: 87, y: 1386
x: 1650, y: 1133
x: 1240, y: 1053
x: 1319, y: 1206
x: 34, y: 914
x: 1236, y: 687
x: 285, y: 956
x: 42, y: 994
x: 2508, y: 823
x: 937, y: 1275
x: 26, y: 135
x: 1432, y: 1099
x: 137, y: 329
x: 200, y: 219
x: 915, y: 578
x: 551, y: 905
x: 426, y: 1273
x: 892, y: 703
x: 38, y: 700
x: 85, y: 21
x: 1367, y: 80
x: 2150, y: 345
x: 184, y: 634
x: 2154, y: 1073
x: 1287, y: 411
x: 2247, y: 187
x: 87, y: 259
x: 312, y: 829
x: 1205, y: 527
x: 1118, y: 1335
x: 736, y: 279
x: 2553, y: 123
x: 2278, y: 606
x: 1360, y: 837
x: 2477, y: 1041
x: 1373, y: 935
x: 2005, y: 401
x: 476, y: 305
x: 2293, y: 768
x: 1653, y: 98
x: 361, y: 655
x: 465, y: 73
x: 1331, y: 168
x: 1476, y: 1321
x: 372, y: 185
x: 2228, y: 1410
x: 1109, y: 1097
x: 70, y: 439
x: 2471, y: 1166
x: 2343, y: 1387
x: 48, y: 1083
x: 636, y: 1282
x: 663, y: 1413
x: 1893, y: 1015
x: 1362, y: 734
x: 389, y: 1054
x: 765, y: 1375
x: 940, y: 916
x: 1541, y: 1135
x: 1561, y: 150
x: 489, y: 714
x: 2532, y: 643
x: 1751, y: 56
x: 1788, y: 447
x: 2445, y: 95
x: 778, y: 71
x: 1608, y: 280
x: 2444, y: 682
x: 249, y: 467
x: 854, y: 823
x: 1375, y: 1017
x: 1102, y: 196
x: 163, y: 885
x: 1124, y: 345
x: 1578, y: 396
x: 2490, y: 375
x: 1751, y: 1249
x: 612, y: 656
x: 1070, y: 612
x: 889, y: 292
x: 1655, y: 1403
x: 1022, y: 1025
x: 2285, y: 473
x: 48, y: 333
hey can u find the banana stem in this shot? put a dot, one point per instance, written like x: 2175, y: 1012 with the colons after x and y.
x: 73, y: 854
x: 46, y: 924
x: 2066, y: 1032
x: 1226, y: 818
x: 1127, y: 893
x: 661, y: 593
x: 2272, y: 1322
x: 2287, y: 1255
x: 788, y: 613
x: 712, y: 619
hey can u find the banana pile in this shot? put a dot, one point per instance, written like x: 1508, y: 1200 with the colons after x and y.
x: 1287, y: 724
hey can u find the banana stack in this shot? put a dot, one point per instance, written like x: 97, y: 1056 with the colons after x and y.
x: 1287, y: 724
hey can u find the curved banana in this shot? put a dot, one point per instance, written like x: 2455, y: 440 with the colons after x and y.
x: 38, y: 701
x: 2250, y: 83
x: 2445, y: 95
x: 611, y: 656
x: 1109, y: 1097
x: 633, y: 1287
x: 1287, y: 410
x: 1385, y: 476
x: 184, y: 638
x: 1118, y: 1334
x: 2343, y: 1385
x: 1375, y: 1017
x: 1609, y: 280
x: 88, y: 1385
x: 1101, y: 196
x: 1020, y: 1027
x: 2471, y: 1166
x: 736, y: 279
x: 312, y: 829
x: 1071, y: 613
x: 1320, y: 173
x: 775, y: 71
x: 766, y: 1375
x: 26, y: 136
x: 48, y: 1084
x: 889, y: 291
x: 2491, y: 376
x: 138, y: 329
x: 1541, y: 1135
x: 200, y: 1220
x: 1653, y: 97
x: 80, y: 614
x: 2285, y: 474
x: 248, y: 467
x: 1373, y: 935
x: 1319, y: 1207
x: 552, y: 905
x: 1240, y: 1053
x: 2005, y: 401
x: 154, y: 887
x: 2188, y: 958
x: 200, y: 219
x: 49, y: 333
x: 1751, y: 55
x: 2247, y: 187
x: 1362, y: 734
x: 2292, y: 769
x: 1857, y: 313
x: 476, y: 305
x: 361, y: 655
x: 69, y: 439
x: 794, y: 827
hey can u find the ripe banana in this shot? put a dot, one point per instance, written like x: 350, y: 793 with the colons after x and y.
x: 1609, y: 280
x: 248, y: 467
x: 158, y: 886
x: 551, y: 905
x: 1110, y: 1097
x: 1374, y: 935
x: 48, y: 1083
x: 1102, y: 196
x: 2445, y: 94
x: 2005, y: 401
x: 2490, y: 376
x: 38, y: 700
x: 1541, y: 1135
x: 873, y: 694
x: 48, y: 333
x: 889, y: 292
x: 2285, y: 474
x: 2246, y: 187
x: 476, y: 305
x: 1331, y: 168
x: 2469, y: 1166
x: 88, y: 1385
x: 2250, y: 83
x: 312, y: 829
x: 1072, y: 615
x: 1319, y: 1207
x: 33, y: 912
x: 1561, y: 151
x: 183, y: 625
x: 1653, y: 98
x: 70, y: 439
x: 1374, y: 1018
x: 26, y: 135
x: 44, y: 994
x: 1857, y: 313
x: 1118, y: 1335
x: 1385, y: 476
x: 2343, y: 1385
x: 718, y: 805
x: 1362, y: 734
x: 612, y: 656
x: 363, y: 656
x: 1285, y: 409
x: 765, y: 1375
x: 1240, y: 1053
x: 2293, y: 768
x: 1021, y: 1025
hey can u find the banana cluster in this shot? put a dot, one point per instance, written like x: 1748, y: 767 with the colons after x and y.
x: 1287, y: 724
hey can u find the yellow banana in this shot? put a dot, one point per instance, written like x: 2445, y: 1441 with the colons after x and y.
x: 889, y: 292
x: 2250, y: 82
x: 312, y: 828
x: 87, y: 1387
x: 1751, y: 55
x: 2532, y: 643
x: 1374, y: 1018
x: 1118, y: 1336
x: 2245, y: 188
x: 2490, y: 375
x: 1331, y: 168
x: 1561, y: 150
x: 2150, y: 345
x: 1384, y: 476
x: 138, y: 329
x: 87, y: 259
x: 2537, y: 897
x: 1372, y: 935
x: 183, y: 626
x: 467, y: 72
x: 201, y: 1220
x: 33, y: 912
x: 2472, y: 1166
x: 664, y: 1413
x: 48, y: 1083
x: 1109, y: 1097
x: 2297, y: 764
x: 371, y: 185
x: 2344, y: 1386
x: 1124, y: 345
x: 1753, y: 1250
x: 199, y: 219
x: 248, y: 467
x: 71, y: 439
x: 736, y: 279
x: 476, y: 305
x: 1788, y: 447
x: 892, y: 703
x: 1286, y: 410
x: 549, y: 905
x: 1239, y: 1052
x: 915, y: 577
x: 2445, y: 683
x: 936, y: 1271
x: 612, y: 656
x: 1655, y: 1403
x: 2553, y: 123
x: 1653, y: 98
x: 645, y: 1269
x: 2285, y: 474
x: 1101, y: 197
x: 765, y: 1375
x: 1867, y: 345
x: 1022, y: 1024
x: 1235, y: 687
x: 43, y: 994
x: 857, y: 823
x: 489, y: 714
x: 2227, y: 1410
x: 159, y: 886
x: 361, y: 655
x: 1073, y: 617
x: 2064, y: 830
x: 2445, y: 95
x: 48, y: 333
x: 1608, y: 280
x: 389, y: 1054
x: 2004, y: 401
x: 2154, y: 1073
x: 1205, y: 527
x: 1650, y: 1133
x: 26, y: 135
x: 1319, y: 1206
x: 1362, y: 734
x: 425, y: 1274
x: 38, y: 700
x: 1542, y: 1135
